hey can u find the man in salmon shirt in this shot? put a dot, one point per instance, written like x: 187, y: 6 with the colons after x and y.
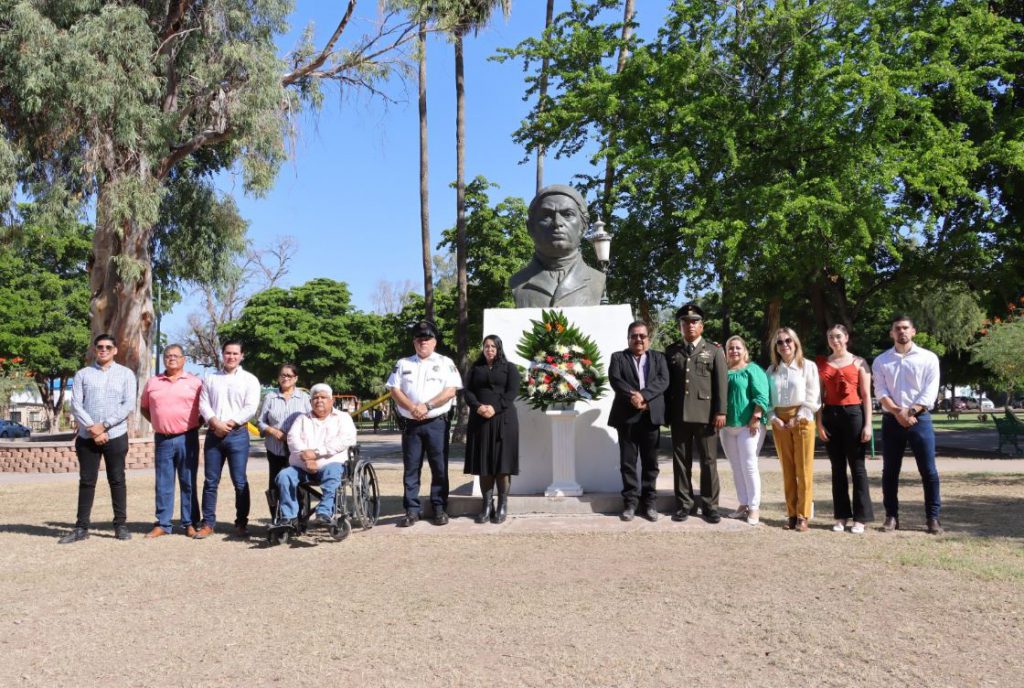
x: 171, y: 403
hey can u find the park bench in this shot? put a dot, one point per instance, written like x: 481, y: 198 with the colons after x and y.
x: 1010, y: 429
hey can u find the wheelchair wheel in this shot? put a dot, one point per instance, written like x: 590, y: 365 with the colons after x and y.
x: 340, y: 530
x: 366, y: 495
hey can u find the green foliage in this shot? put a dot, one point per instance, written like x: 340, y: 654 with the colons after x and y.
x: 44, y: 296
x: 499, y: 245
x: 565, y: 364
x: 314, y: 326
x: 1001, y: 351
x: 808, y: 155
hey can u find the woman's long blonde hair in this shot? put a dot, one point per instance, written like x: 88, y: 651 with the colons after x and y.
x: 799, y: 350
x: 746, y: 349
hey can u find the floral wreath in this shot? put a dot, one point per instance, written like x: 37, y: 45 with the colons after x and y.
x: 564, y: 364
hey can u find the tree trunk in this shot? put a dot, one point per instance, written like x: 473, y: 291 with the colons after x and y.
x: 543, y: 94
x: 462, y: 326
x: 609, y: 165
x: 122, y: 304
x: 774, y: 318
x: 428, y: 265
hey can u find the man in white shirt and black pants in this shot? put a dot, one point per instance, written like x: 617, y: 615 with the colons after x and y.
x: 229, y: 398
x: 423, y: 386
x: 906, y: 386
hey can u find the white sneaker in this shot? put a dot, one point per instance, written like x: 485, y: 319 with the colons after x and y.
x: 858, y: 528
x: 752, y: 517
x: 840, y: 525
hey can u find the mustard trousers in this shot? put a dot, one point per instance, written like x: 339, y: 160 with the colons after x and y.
x: 795, y: 447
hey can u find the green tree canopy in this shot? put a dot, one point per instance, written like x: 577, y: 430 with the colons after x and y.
x: 315, y: 326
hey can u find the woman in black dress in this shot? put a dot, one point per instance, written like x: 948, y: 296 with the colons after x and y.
x: 492, y: 438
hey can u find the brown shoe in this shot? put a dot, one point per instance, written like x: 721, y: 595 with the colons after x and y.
x: 891, y: 523
x: 155, y: 533
x: 204, y: 532
x: 801, y: 525
x: 240, y: 532
x: 934, y: 527
x: 190, y: 531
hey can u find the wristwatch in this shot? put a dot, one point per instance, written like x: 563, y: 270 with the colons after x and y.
x: 430, y: 407
x: 106, y: 425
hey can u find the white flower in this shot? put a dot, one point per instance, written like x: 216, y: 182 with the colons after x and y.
x: 539, y: 358
x: 561, y: 349
x: 563, y: 387
x: 542, y: 388
x: 575, y: 348
x: 531, y: 389
x: 562, y: 367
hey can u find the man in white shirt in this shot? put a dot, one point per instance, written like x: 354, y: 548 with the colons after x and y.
x: 228, y: 399
x: 423, y: 386
x: 318, y: 443
x: 906, y: 385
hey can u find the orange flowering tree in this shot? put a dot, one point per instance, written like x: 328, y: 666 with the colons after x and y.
x: 565, y: 364
x: 1000, y: 348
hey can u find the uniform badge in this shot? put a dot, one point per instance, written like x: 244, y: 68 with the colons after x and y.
x: 704, y: 357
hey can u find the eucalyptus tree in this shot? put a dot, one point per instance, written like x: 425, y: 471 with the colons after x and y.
x: 106, y: 103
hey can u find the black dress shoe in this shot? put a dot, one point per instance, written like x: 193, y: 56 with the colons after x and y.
x: 712, y: 517
x: 681, y: 515
x: 891, y: 523
x: 627, y: 513
x: 440, y: 518
x: 74, y: 536
x: 121, y: 533
x: 650, y: 513
x: 934, y: 527
x: 410, y: 519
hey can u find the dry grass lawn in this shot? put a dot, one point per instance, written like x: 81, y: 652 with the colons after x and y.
x: 604, y: 605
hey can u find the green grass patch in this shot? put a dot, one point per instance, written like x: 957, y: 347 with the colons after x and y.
x: 988, y: 559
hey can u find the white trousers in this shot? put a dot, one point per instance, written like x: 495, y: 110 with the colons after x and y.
x: 742, y: 449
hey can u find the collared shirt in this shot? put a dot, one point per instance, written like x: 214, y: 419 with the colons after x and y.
x: 641, y: 368
x: 103, y: 395
x: 230, y: 396
x: 793, y: 385
x: 173, y: 404
x: 907, y: 379
x: 422, y: 379
x: 278, y: 412
x: 329, y: 437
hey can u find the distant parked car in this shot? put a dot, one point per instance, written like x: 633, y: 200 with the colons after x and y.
x: 8, y: 428
x: 985, y: 404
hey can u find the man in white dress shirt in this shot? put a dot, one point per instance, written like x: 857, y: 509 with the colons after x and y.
x: 423, y: 386
x: 906, y: 386
x: 318, y: 444
x: 229, y: 398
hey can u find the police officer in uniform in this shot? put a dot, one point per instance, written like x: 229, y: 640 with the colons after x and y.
x: 696, y: 403
x: 423, y: 386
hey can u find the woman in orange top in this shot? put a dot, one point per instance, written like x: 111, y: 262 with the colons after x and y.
x: 844, y: 425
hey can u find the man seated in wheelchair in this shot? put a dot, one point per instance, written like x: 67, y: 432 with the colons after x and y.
x: 318, y: 444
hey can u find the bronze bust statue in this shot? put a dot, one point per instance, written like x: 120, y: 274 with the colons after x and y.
x: 557, y: 275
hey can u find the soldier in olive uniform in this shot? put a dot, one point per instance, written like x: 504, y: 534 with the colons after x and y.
x: 696, y: 401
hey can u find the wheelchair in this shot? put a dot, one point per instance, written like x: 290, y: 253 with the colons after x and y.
x: 356, y: 501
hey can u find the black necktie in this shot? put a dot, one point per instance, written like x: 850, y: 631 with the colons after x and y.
x: 689, y: 348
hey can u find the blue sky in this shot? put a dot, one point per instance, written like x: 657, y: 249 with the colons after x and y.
x: 350, y: 193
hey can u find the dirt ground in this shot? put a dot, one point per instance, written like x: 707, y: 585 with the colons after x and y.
x: 599, y: 604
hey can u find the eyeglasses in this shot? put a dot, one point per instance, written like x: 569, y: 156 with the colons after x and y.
x: 785, y: 342
x: 105, y: 347
x: 172, y: 357
x: 638, y: 336
x: 285, y: 375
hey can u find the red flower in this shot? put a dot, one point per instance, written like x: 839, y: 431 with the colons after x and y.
x: 547, y: 379
x: 586, y: 362
x: 549, y: 359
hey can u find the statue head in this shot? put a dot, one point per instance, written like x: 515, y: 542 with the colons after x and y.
x: 557, y: 220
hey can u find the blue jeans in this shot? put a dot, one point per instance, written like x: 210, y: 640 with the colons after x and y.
x: 288, y: 481
x: 922, y: 442
x: 177, y: 455
x: 233, y: 448
x: 430, y: 438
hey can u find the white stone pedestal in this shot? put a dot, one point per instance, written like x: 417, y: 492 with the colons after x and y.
x: 563, y: 454
x: 594, y: 445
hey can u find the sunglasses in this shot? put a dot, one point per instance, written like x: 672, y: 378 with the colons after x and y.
x: 104, y: 347
x: 286, y: 375
x: 638, y: 336
x: 786, y: 341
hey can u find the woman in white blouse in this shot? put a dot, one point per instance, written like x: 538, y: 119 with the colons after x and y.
x: 795, y: 394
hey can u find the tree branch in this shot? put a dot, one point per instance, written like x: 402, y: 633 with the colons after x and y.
x: 294, y: 76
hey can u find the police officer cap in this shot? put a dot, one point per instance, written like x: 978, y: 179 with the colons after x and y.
x: 424, y: 329
x: 690, y: 311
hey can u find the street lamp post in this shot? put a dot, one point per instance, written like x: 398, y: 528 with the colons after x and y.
x: 602, y: 243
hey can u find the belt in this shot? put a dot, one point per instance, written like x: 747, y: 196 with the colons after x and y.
x: 416, y: 423
x: 172, y: 435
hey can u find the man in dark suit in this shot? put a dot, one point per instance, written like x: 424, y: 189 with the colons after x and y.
x: 698, y: 383
x: 639, y: 378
